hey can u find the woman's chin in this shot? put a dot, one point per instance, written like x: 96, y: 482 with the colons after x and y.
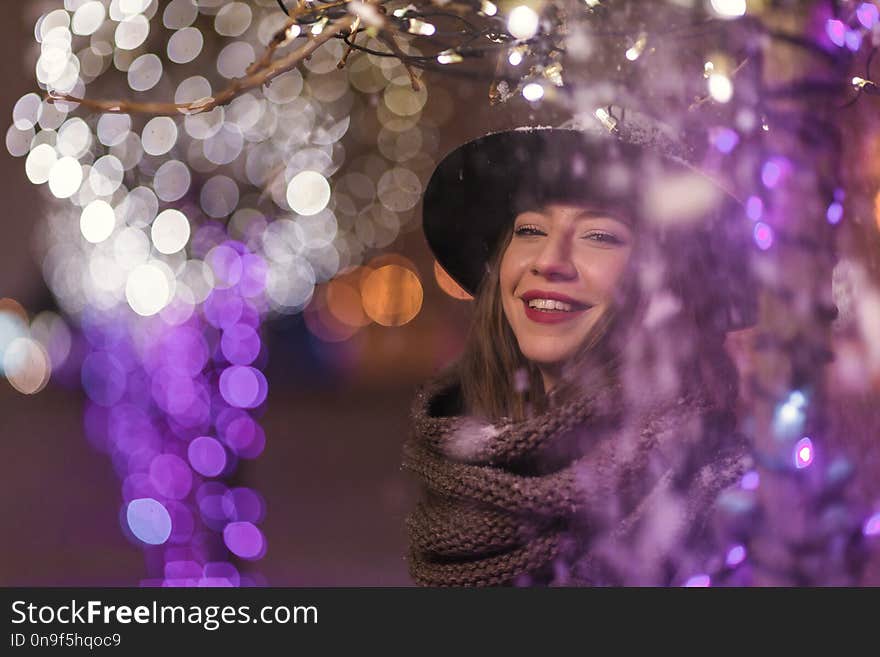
x: 548, y: 360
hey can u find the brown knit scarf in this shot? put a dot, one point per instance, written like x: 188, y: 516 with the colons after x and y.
x: 580, y: 495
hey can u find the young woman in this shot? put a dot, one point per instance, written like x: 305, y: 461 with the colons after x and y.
x: 585, y: 433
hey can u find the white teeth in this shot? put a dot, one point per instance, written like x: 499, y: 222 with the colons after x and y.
x: 549, y: 304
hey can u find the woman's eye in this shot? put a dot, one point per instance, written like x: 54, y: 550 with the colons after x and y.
x: 527, y: 230
x: 603, y: 237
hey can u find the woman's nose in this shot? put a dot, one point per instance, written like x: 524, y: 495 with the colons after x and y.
x: 554, y: 258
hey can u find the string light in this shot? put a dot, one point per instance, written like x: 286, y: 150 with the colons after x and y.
x: 634, y: 51
x: 522, y: 23
x: 533, y: 91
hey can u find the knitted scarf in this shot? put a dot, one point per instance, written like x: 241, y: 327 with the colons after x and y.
x: 582, y: 494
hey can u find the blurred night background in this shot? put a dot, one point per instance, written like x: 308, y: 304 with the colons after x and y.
x: 249, y: 354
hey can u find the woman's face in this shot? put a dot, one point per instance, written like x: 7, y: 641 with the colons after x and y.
x: 557, y: 276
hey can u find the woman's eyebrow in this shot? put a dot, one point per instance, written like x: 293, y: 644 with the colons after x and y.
x: 598, y: 216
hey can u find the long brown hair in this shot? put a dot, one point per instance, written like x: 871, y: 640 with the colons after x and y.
x: 497, y: 381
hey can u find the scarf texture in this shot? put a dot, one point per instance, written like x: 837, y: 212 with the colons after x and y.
x: 580, y: 495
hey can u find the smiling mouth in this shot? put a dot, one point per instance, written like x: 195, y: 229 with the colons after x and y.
x: 555, y: 312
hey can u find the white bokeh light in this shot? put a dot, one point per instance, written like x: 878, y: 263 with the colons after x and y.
x: 720, y: 87
x: 233, y: 19
x: 145, y: 72
x: 179, y: 14
x: 106, y: 175
x: 88, y: 18
x: 170, y: 231
x: 172, y: 180
x: 65, y: 177
x: 113, y: 128
x: 185, y: 45
x: 74, y: 138
x: 533, y: 91
x: 729, y: 8
x: 27, y: 111
x: 522, y: 23
x: 97, y: 221
x: 39, y: 163
x: 159, y: 135
x: 147, y: 289
x: 308, y: 192
x: 132, y: 32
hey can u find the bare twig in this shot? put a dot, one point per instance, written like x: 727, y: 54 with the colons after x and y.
x: 236, y: 88
x: 282, y: 36
x: 387, y: 38
x: 350, y: 46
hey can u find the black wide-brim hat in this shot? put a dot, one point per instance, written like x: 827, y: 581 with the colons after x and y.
x: 478, y: 189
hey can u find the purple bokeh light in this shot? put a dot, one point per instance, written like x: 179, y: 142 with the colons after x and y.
x: 763, y: 236
x: 244, y: 504
x: 750, y: 480
x: 103, y: 378
x: 171, y: 476
x: 223, y: 308
x: 138, y: 485
x: 736, y: 555
x: 221, y: 570
x: 243, y: 387
x: 774, y: 171
x: 226, y: 264
x: 834, y: 213
x: 724, y: 139
x: 867, y: 14
x: 754, y: 208
x: 253, y: 275
x: 853, y: 40
x: 803, y: 453
x: 245, y: 540
x: 245, y: 437
x: 836, y: 31
x: 698, y: 581
x: 207, y: 456
x: 872, y: 525
x: 240, y: 344
x: 182, y: 522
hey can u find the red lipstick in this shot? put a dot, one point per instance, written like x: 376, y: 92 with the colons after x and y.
x: 552, y: 316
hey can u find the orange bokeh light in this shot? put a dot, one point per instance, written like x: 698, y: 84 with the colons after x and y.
x: 392, y: 295
x: 392, y: 259
x: 344, y: 302
x: 877, y: 210
x: 13, y: 307
x: 321, y: 322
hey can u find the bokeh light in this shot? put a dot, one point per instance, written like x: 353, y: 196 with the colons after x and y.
x: 97, y: 221
x: 522, y: 23
x: 244, y: 539
x: 207, y: 456
x: 148, y: 520
x: 392, y: 295
x: 803, y: 453
x: 308, y: 192
x: 729, y: 8
x: 185, y: 45
x: 26, y: 365
x: 147, y: 290
x: 170, y: 231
